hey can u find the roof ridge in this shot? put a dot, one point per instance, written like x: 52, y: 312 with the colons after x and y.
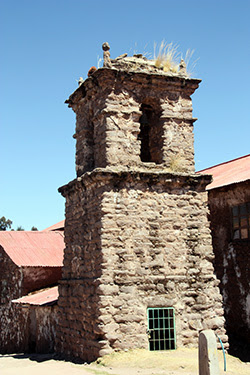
x: 223, y: 163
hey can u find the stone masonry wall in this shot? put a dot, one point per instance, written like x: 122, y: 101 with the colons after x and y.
x: 108, y: 110
x: 145, y: 242
x: 78, y: 302
x: 35, y: 278
x: 45, y: 327
x: 28, y: 328
x: 157, y: 253
x: 232, y: 263
x: 136, y: 229
x: 11, y: 280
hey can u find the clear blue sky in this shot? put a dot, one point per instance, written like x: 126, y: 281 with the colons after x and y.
x: 46, y: 45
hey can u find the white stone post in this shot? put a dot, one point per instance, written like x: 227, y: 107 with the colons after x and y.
x: 208, y: 356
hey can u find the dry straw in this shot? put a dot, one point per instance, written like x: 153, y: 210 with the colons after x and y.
x: 168, y: 57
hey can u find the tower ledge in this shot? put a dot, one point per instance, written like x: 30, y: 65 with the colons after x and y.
x: 103, y: 176
x: 173, y: 81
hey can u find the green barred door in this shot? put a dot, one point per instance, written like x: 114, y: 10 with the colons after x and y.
x: 161, y: 328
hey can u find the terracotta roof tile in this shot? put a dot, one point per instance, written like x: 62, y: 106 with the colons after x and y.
x: 57, y: 226
x: 33, y: 249
x: 40, y: 298
x: 231, y: 172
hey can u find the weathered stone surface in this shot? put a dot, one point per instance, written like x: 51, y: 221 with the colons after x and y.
x: 232, y: 263
x: 107, y: 126
x: 137, y: 233
x: 118, y: 283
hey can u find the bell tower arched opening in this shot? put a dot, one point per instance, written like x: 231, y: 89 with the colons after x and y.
x: 151, y: 135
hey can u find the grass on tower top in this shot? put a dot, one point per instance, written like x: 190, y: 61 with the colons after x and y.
x: 167, y: 57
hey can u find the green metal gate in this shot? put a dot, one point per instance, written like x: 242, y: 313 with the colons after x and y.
x: 161, y: 328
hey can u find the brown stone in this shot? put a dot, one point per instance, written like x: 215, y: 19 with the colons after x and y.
x: 136, y: 212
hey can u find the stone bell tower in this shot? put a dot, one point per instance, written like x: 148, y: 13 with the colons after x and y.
x: 138, y: 260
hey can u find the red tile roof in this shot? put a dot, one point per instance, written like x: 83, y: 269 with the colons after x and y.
x: 231, y: 172
x: 57, y: 226
x: 34, y: 249
x: 39, y: 298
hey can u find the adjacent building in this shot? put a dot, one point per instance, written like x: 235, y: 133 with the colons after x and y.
x: 229, y: 202
x: 31, y: 263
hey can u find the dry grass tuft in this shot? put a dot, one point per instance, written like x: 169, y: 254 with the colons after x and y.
x: 182, y: 361
x: 167, y: 57
x: 190, y: 64
x: 176, y: 163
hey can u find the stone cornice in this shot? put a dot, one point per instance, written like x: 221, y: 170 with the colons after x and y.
x: 104, y: 176
x: 163, y: 80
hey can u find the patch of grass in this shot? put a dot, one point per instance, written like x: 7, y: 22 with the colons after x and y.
x: 176, y: 163
x: 142, y: 358
x: 97, y: 372
x: 167, y: 57
x: 99, y: 62
x: 180, y: 361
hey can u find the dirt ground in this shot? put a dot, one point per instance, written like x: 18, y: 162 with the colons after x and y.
x: 136, y: 362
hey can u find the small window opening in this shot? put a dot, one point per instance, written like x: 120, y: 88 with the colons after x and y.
x: 241, y: 221
x: 161, y: 328
x: 150, y: 135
